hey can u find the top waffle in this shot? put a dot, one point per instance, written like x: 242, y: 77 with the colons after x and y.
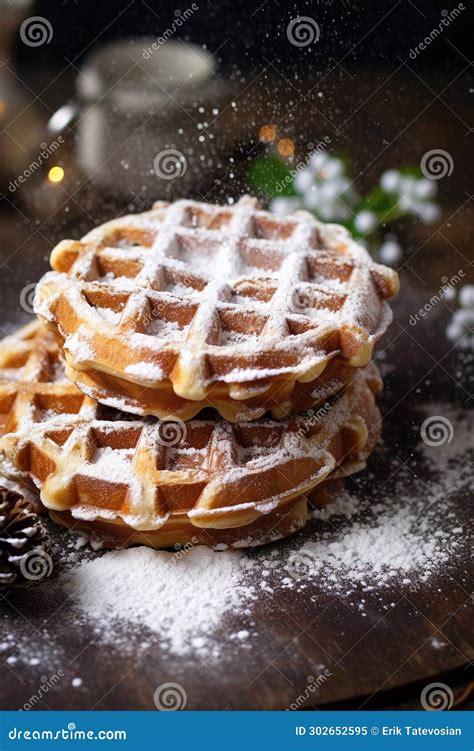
x: 198, y: 298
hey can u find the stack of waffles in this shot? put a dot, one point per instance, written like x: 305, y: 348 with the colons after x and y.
x: 197, y: 373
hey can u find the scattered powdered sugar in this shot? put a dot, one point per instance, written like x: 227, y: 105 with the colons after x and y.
x: 180, y: 596
x: 344, y: 505
x: 404, y: 539
x: 372, y: 554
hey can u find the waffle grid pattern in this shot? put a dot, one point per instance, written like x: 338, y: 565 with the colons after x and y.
x: 33, y: 384
x: 146, y: 473
x: 200, y: 296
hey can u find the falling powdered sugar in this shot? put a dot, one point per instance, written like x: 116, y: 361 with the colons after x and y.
x: 180, y: 596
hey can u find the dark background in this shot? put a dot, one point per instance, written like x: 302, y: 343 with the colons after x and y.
x: 257, y: 30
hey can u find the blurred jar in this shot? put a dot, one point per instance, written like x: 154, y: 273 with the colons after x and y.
x: 141, y: 118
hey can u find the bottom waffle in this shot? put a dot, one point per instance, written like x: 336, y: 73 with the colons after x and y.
x: 165, y: 483
x: 267, y: 528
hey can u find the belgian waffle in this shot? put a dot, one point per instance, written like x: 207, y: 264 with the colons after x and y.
x: 227, y: 306
x: 162, y: 483
x: 33, y: 384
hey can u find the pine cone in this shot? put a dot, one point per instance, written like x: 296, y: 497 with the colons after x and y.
x: 24, y: 542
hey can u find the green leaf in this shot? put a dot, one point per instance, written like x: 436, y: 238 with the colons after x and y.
x: 272, y: 177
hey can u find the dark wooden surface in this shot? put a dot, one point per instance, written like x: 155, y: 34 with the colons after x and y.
x: 389, y: 650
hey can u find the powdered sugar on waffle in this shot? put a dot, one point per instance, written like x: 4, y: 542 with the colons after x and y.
x: 79, y: 345
x: 207, y: 260
x: 145, y: 371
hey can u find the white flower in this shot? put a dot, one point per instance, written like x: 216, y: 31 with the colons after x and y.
x: 303, y: 180
x: 344, y: 184
x: 459, y: 329
x: 312, y: 198
x: 428, y: 212
x: 329, y: 190
x: 331, y: 168
x: 365, y: 221
x: 465, y: 316
x: 407, y: 186
x: 285, y: 205
x: 342, y: 212
x: 449, y: 293
x: 390, y: 252
x: 390, y: 180
x: 454, y: 330
x: 466, y: 296
x: 405, y: 204
x: 317, y: 160
x: 424, y: 189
